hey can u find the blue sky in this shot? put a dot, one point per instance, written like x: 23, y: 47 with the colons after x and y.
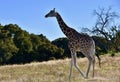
x: 29, y: 14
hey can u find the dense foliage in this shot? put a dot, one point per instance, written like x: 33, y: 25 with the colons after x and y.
x: 18, y: 46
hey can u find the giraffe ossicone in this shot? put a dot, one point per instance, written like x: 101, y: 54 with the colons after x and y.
x: 77, y: 42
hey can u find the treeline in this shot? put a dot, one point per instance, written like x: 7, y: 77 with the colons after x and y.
x: 19, y: 46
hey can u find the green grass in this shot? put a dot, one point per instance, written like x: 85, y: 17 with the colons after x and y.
x: 58, y: 71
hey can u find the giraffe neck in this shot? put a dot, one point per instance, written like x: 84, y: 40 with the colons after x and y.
x: 62, y: 24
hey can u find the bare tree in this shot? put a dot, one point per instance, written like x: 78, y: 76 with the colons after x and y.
x: 103, y: 25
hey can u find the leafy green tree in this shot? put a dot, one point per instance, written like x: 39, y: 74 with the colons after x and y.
x: 36, y: 41
x: 114, y: 38
x: 62, y: 43
x: 23, y: 42
x: 43, y: 49
x: 7, y: 46
x: 18, y: 46
x: 100, y: 44
x: 1, y: 26
x: 47, y: 51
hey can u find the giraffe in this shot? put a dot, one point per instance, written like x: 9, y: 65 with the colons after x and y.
x: 78, y: 42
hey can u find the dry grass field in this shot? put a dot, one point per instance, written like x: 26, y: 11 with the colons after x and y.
x: 58, y: 71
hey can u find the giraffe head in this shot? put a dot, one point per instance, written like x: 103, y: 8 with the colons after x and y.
x: 52, y: 13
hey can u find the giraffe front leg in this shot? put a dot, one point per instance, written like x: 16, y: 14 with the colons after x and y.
x: 71, y: 64
x: 75, y: 64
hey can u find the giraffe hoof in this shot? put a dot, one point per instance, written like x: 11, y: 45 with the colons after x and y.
x: 86, y: 77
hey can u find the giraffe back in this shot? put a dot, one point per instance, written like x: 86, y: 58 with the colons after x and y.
x: 83, y: 43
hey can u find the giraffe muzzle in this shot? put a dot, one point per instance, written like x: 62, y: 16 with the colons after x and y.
x: 46, y: 16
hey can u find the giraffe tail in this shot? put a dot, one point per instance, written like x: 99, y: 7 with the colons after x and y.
x: 98, y: 60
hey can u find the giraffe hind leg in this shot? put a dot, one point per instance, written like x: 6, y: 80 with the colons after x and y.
x: 90, y: 60
x: 88, y: 68
x: 93, y: 62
